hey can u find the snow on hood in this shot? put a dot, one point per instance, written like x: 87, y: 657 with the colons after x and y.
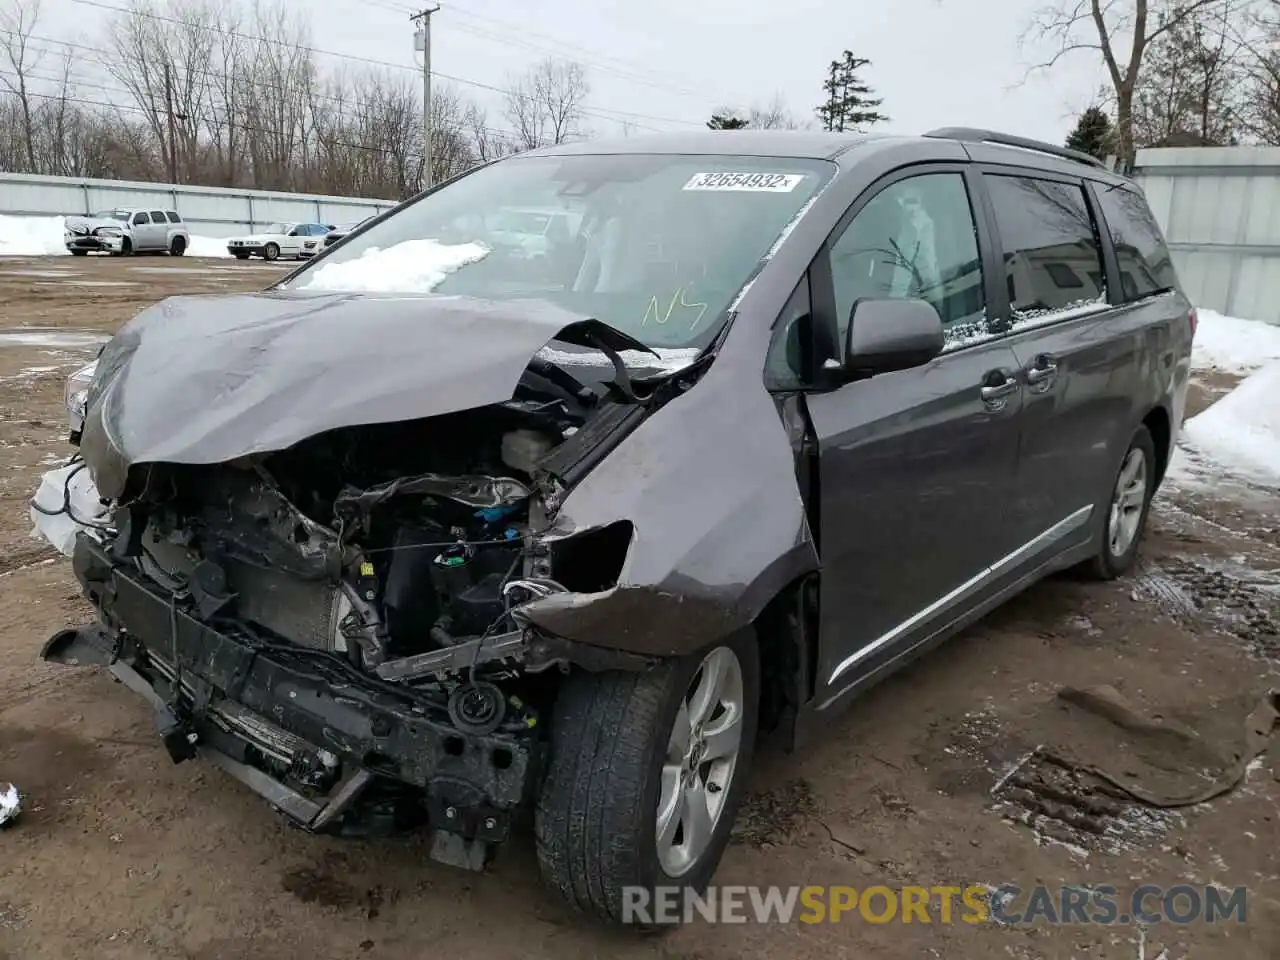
x: 214, y: 378
x: 415, y: 266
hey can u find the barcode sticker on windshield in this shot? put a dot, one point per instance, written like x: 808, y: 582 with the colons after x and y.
x: 752, y: 182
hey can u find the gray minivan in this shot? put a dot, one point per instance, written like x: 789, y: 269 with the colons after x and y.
x: 432, y: 532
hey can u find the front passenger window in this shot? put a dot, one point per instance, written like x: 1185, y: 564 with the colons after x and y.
x: 916, y: 239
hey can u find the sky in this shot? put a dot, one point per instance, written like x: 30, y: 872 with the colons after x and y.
x: 667, y: 64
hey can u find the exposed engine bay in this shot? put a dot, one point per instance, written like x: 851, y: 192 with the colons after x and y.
x: 340, y: 620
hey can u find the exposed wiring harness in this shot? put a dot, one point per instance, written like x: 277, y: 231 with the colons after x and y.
x: 66, y: 500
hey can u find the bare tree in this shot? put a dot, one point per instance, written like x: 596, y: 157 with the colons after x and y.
x: 545, y: 105
x: 774, y: 115
x: 18, y: 20
x: 1189, y: 92
x: 486, y: 143
x: 1122, y: 31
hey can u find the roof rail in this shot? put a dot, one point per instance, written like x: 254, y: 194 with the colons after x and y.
x: 977, y: 135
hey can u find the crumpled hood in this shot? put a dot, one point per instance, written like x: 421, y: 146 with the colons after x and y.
x: 210, y: 379
x: 91, y: 224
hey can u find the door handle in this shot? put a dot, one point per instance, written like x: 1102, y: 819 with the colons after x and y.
x: 1041, y: 372
x: 998, y: 391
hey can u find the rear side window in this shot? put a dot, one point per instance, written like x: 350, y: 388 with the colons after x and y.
x: 1052, y: 258
x: 157, y: 216
x: 173, y: 217
x: 1145, y: 265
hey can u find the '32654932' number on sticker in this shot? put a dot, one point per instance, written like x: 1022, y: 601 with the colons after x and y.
x: 757, y: 182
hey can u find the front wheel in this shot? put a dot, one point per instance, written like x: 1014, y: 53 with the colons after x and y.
x: 271, y: 252
x: 1125, y: 510
x: 645, y: 777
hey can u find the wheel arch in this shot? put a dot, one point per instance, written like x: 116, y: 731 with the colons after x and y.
x: 1160, y: 425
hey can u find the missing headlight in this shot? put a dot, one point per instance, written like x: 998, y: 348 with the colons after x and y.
x: 592, y: 561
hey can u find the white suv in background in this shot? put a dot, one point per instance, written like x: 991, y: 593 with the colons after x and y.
x: 127, y: 230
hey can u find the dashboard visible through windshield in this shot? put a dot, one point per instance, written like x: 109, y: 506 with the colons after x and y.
x: 655, y: 245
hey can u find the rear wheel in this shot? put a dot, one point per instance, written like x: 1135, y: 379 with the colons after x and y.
x: 271, y: 252
x: 178, y: 246
x: 646, y: 774
x: 1125, y: 510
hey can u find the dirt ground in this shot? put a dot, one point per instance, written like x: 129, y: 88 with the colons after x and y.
x: 121, y: 854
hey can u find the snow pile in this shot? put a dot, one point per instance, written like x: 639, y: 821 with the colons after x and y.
x: 1232, y: 344
x: 31, y: 236
x: 415, y: 266
x: 42, y: 237
x: 207, y: 247
x: 1236, y: 441
x: 1241, y: 432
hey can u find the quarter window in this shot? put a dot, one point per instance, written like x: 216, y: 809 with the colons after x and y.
x: 173, y: 217
x: 915, y: 239
x: 1145, y: 265
x: 1052, y: 257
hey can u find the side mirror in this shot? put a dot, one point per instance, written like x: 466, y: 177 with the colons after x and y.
x: 889, y: 335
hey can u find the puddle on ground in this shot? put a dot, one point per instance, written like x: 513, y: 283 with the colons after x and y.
x: 51, y: 337
x: 43, y: 274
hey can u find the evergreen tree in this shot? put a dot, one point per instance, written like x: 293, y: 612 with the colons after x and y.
x: 1093, y: 134
x: 849, y: 105
x: 726, y: 120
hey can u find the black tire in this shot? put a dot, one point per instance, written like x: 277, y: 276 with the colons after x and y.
x: 271, y: 252
x: 597, y: 811
x: 79, y: 253
x: 126, y: 247
x: 177, y: 246
x: 241, y: 256
x: 1106, y: 563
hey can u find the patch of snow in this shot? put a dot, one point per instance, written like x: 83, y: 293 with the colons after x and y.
x: 87, y: 283
x: 31, y: 236
x: 10, y: 802
x: 415, y: 266
x: 1233, y: 344
x: 669, y: 359
x: 207, y: 247
x: 1241, y: 432
x: 51, y: 337
x: 40, y: 274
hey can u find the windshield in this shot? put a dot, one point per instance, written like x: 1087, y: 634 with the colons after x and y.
x: 657, y: 246
x: 277, y: 228
x: 112, y: 215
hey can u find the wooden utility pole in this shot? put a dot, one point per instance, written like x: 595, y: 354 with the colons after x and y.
x: 424, y: 39
x: 173, y: 139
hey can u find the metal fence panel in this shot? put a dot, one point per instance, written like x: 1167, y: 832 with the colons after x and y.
x: 210, y: 211
x: 1220, y: 210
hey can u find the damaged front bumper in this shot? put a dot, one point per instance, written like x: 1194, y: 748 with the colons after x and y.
x: 333, y: 748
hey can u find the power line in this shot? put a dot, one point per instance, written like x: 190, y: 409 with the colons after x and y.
x: 214, y: 75
x: 633, y: 71
x: 598, y: 112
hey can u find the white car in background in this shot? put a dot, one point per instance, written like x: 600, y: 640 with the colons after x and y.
x: 127, y: 230
x: 299, y: 241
